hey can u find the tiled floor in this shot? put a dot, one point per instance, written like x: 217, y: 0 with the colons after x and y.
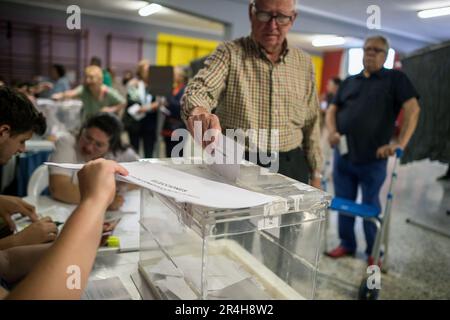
x: 419, y: 259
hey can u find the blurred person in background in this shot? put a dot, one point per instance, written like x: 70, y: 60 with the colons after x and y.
x: 141, y: 124
x: 96, y: 97
x: 173, y: 119
x: 362, y: 118
x: 99, y: 137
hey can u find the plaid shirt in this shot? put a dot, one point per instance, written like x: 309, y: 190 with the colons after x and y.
x: 250, y: 92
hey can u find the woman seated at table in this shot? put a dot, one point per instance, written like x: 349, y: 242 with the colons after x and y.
x: 99, y: 137
x: 96, y: 97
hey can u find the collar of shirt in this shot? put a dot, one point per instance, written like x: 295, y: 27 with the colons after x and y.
x: 257, y: 50
x: 379, y: 74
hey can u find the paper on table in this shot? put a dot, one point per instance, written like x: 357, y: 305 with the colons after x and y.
x: 178, y: 287
x: 133, y: 111
x: 222, y: 272
x: 165, y: 267
x: 106, y: 289
x: 184, y: 187
x: 226, y: 158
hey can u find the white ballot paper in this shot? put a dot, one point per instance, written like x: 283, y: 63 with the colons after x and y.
x: 226, y: 158
x: 133, y: 111
x: 184, y: 187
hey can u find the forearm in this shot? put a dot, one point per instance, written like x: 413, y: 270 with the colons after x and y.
x: 205, y: 89
x: 410, y: 120
x: 8, y: 242
x: 330, y: 119
x: 67, y: 192
x: 311, y: 145
x: 76, y: 246
x: 15, y: 263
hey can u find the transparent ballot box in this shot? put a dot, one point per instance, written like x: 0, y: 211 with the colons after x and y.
x: 271, y: 251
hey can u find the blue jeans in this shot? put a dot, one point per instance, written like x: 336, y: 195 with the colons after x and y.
x: 347, y: 176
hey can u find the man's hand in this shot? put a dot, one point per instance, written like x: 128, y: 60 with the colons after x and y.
x: 334, y: 138
x: 10, y: 205
x: 208, y: 121
x: 38, y: 232
x: 387, y: 150
x: 97, y: 181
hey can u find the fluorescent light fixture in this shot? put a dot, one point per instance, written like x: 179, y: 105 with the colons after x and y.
x: 431, y: 13
x: 355, y: 60
x: 327, y: 41
x: 150, y: 9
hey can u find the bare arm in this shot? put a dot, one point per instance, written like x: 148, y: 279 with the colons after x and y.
x: 115, y: 108
x: 330, y: 121
x: 63, y: 189
x: 69, y: 94
x: 79, y: 240
x: 15, y: 263
x: 41, y: 231
x: 411, y: 117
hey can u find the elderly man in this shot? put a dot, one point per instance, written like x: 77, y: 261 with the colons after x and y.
x: 261, y: 83
x: 363, y: 114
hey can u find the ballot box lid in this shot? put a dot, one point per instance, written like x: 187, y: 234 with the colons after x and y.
x: 290, y: 196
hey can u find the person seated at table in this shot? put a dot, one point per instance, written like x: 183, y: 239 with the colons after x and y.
x: 78, y: 242
x: 17, y: 262
x: 58, y: 83
x: 99, y: 137
x: 19, y: 119
x: 96, y: 96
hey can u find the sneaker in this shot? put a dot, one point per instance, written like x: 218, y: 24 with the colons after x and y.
x: 339, y: 252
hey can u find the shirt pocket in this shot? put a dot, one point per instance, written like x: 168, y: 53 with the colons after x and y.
x: 297, y: 106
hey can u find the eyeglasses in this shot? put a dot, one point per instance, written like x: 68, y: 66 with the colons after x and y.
x: 374, y: 49
x: 264, y: 16
x: 89, y: 140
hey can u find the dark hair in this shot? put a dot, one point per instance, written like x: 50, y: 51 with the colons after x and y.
x: 111, y: 125
x: 336, y: 80
x: 60, y: 70
x: 96, y: 61
x: 17, y: 111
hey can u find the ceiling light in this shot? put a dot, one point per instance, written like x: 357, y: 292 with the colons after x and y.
x: 431, y: 13
x: 150, y: 9
x: 326, y: 41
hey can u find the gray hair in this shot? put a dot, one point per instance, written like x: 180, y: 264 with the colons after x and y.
x: 380, y: 38
x: 295, y: 3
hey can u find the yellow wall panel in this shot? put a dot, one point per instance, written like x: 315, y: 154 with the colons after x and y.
x: 318, y: 68
x: 177, y: 50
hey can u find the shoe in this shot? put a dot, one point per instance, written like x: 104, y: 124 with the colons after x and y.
x: 339, y: 252
x: 370, y: 261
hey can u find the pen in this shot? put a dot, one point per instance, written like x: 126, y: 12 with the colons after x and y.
x: 58, y: 223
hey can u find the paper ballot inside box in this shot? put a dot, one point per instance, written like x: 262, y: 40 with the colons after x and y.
x: 184, y: 187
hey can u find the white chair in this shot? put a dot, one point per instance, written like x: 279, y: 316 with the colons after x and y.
x: 38, y: 181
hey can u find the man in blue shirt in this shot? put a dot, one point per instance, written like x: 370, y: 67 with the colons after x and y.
x: 363, y: 114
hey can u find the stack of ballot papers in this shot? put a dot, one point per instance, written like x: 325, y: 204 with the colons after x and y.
x: 106, y: 289
x: 226, y: 279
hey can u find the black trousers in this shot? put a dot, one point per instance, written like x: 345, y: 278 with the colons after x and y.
x: 292, y: 164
